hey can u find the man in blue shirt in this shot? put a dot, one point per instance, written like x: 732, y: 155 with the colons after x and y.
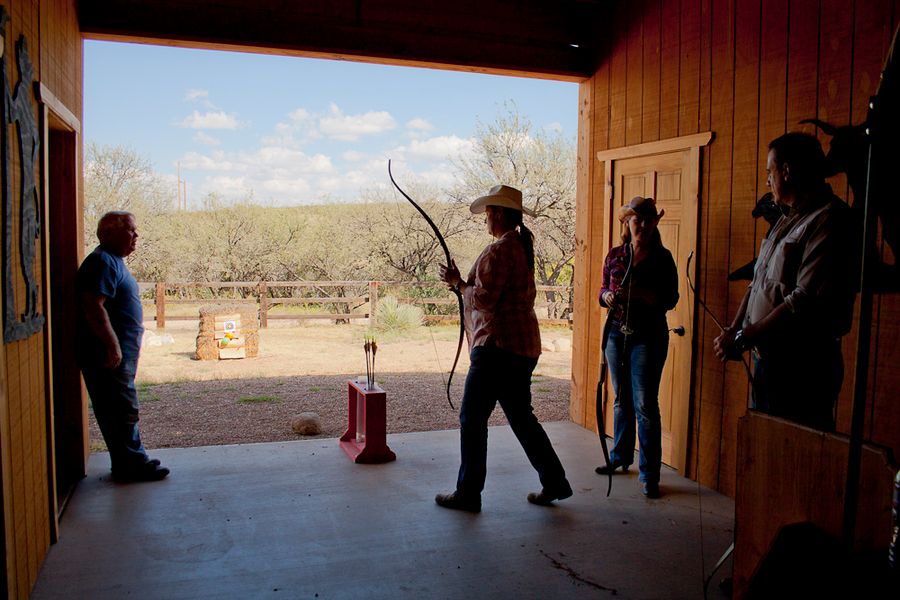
x: 110, y: 328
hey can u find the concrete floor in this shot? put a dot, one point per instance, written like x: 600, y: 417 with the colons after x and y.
x: 299, y: 520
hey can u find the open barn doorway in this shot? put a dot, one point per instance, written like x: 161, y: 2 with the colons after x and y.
x: 315, y: 285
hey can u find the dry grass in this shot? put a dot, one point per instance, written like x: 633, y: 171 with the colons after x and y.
x: 186, y: 403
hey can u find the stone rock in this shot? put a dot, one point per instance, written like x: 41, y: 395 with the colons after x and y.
x: 150, y: 339
x: 307, y: 423
x: 562, y: 345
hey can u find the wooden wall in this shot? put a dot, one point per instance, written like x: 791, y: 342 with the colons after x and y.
x: 748, y: 70
x: 774, y: 493
x: 54, y: 45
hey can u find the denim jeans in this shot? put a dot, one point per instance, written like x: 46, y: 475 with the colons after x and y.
x: 635, y: 367
x: 115, y: 403
x: 498, y: 375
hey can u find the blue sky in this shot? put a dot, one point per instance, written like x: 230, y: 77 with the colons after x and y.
x: 295, y: 130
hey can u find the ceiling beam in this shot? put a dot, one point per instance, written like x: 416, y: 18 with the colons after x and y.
x: 537, y: 38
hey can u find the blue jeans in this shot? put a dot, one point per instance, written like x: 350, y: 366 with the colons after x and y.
x: 498, y: 375
x: 635, y: 367
x: 115, y: 403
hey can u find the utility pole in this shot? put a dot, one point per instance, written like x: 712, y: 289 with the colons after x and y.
x: 182, y: 190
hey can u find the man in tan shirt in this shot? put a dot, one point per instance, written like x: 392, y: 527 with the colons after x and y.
x: 800, y: 301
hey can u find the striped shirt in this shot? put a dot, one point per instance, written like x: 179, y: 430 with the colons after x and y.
x: 499, y: 299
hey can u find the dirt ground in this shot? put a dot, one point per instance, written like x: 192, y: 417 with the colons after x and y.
x: 305, y: 368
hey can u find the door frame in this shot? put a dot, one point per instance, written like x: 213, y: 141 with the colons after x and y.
x: 692, y: 144
x: 62, y: 252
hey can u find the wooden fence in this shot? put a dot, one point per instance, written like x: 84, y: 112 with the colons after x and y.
x: 334, y: 300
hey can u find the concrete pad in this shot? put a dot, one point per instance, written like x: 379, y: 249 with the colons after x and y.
x: 300, y: 520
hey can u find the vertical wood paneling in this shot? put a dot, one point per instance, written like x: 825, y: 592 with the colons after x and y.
x: 802, y: 64
x: 634, y: 74
x: 715, y: 264
x: 872, y: 37
x: 670, y: 78
x: 744, y: 162
x: 749, y: 70
x: 703, y: 463
x: 772, y: 93
x: 651, y: 70
x: 54, y: 46
x: 874, y: 33
x: 617, y: 79
x: 581, y: 339
x: 689, y: 89
x: 595, y: 101
x: 835, y: 79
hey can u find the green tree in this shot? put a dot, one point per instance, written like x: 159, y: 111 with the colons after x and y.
x: 542, y: 165
x: 118, y: 178
x: 401, y: 239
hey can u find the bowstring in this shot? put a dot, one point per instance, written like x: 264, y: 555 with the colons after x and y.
x: 706, y: 581
x: 437, y: 355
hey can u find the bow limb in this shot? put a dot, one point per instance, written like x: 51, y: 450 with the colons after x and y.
x: 601, y: 403
x: 713, y: 316
x: 698, y: 298
x: 601, y: 382
x: 459, y: 298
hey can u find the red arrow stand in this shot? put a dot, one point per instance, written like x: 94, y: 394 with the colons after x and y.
x: 365, y: 440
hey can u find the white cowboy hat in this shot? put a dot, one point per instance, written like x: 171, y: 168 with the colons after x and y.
x: 500, y: 195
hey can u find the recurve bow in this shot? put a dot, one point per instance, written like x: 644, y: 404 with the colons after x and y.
x: 459, y: 298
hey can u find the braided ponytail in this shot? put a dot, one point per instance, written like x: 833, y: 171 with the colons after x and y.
x: 525, y: 235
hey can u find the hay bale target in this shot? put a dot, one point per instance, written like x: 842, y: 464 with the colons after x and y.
x: 228, y: 331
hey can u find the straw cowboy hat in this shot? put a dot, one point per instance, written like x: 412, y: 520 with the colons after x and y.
x: 644, y: 207
x: 500, y: 195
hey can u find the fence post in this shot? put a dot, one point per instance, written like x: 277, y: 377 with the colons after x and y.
x: 160, y: 305
x: 373, y: 302
x: 263, y: 305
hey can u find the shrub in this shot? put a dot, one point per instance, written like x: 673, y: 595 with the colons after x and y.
x: 391, y: 316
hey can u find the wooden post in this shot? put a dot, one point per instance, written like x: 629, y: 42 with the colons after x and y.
x: 160, y: 305
x: 373, y: 302
x: 263, y: 305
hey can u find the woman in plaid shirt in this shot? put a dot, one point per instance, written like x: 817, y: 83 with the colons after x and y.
x: 504, y: 345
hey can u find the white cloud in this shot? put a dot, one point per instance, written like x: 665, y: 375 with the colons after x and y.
x: 293, y: 187
x: 419, y: 124
x: 200, y: 162
x: 351, y: 127
x: 300, y: 114
x: 354, y: 156
x: 438, y: 148
x: 210, y: 120
x: 282, y: 168
x: 194, y: 94
x: 555, y: 127
x: 298, y: 129
x: 198, y: 96
x: 203, y: 138
x: 273, y: 174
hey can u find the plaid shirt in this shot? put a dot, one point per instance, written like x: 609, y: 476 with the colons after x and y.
x: 499, y: 299
x: 656, y: 275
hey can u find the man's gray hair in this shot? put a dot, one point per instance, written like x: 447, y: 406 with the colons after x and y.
x: 112, y: 221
